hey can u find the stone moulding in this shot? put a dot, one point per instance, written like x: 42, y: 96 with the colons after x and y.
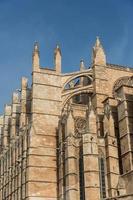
x: 126, y: 80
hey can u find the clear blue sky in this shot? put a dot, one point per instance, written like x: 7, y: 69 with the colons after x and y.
x: 74, y: 24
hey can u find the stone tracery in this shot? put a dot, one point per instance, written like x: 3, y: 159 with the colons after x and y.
x: 126, y: 80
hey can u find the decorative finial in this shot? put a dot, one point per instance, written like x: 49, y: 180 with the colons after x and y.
x: 98, y: 43
x: 57, y: 46
x: 15, y: 97
x: 57, y: 49
x: 24, y: 82
x: 82, y: 65
x: 36, y: 47
x: 57, y: 59
x: 36, y: 57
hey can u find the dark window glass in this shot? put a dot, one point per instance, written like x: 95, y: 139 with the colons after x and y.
x: 63, y: 157
x: 102, y: 178
x: 81, y: 173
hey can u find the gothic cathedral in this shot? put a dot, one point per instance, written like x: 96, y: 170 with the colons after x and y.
x: 69, y: 136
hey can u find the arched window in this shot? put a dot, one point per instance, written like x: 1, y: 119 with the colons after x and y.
x: 78, y: 81
x: 82, y: 98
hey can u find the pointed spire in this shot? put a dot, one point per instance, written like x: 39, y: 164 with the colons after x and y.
x: 57, y: 49
x: 98, y: 57
x: 70, y: 123
x: 91, y: 117
x: 98, y: 43
x: 15, y: 97
x: 57, y: 59
x: 36, y: 56
x: 24, y: 83
x: 82, y: 65
x: 36, y: 47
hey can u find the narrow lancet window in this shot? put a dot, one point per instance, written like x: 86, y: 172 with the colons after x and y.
x: 81, y: 173
x: 63, y: 158
x: 102, y: 178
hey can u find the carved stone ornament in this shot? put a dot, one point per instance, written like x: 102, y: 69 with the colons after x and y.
x: 80, y: 126
x: 107, y: 110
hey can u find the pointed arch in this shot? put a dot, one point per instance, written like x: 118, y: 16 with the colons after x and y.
x: 125, y: 80
x: 74, y: 77
x: 81, y: 91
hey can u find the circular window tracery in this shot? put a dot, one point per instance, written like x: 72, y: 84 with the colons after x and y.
x: 80, y: 126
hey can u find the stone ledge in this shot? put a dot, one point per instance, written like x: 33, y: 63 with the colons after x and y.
x: 123, y: 197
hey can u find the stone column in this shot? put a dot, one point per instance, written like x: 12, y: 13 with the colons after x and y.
x: 61, y: 159
x: 42, y: 152
x: 15, y: 115
x: 1, y: 132
x: 7, y: 121
x: 90, y: 155
x: 57, y: 59
x: 125, y: 118
x: 23, y: 102
x: 111, y: 146
x: 1, y: 177
x: 71, y: 172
